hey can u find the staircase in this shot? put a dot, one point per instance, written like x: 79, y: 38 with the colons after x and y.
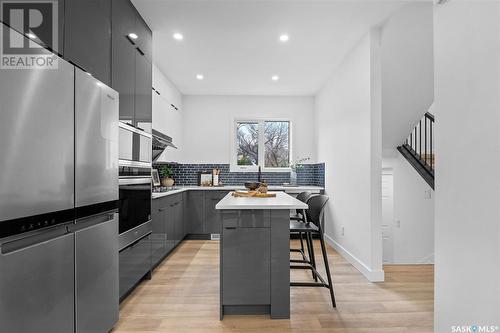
x: 418, y: 148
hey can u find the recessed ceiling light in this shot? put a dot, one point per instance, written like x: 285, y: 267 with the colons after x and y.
x: 200, y: 76
x: 275, y: 78
x: 133, y: 35
x: 30, y: 35
x: 178, y: 36
x: 284, y: 38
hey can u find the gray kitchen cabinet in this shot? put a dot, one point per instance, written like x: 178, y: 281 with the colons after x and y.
x: 179, y: 219
x: 195, y: 212
x: 168, y: 225
x: 123, y: 57
x: 144, y: 41
x: 87, y: 36
x: 45, y: 36
x: 246, y: 258
x: 212, y: 215
x: 131, y: 70
x: 143, y: 93
x: 135, y: 262
x: 159, y: 234
x: 169, y: 220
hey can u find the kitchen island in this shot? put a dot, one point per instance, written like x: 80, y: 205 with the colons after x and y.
x: 255, y: 254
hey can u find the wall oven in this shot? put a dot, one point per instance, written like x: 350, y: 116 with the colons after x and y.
x: 134, y: 184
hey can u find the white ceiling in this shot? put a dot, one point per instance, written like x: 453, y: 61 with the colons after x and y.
x: 235, y: 43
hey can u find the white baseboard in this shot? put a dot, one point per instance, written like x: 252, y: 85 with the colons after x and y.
x: 371, y: 275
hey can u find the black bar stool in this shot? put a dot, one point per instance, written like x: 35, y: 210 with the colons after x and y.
x: 314, y: 225
x: 300, y: 215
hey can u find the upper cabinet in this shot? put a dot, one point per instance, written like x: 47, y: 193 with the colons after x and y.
x: 131, y: 64
x: 145, y: 38
x: 123, y: 57
x: 143, y: 93
x: 87, y: 36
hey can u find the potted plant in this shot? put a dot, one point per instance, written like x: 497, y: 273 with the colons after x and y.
x: 294, y: 167
x: 165, y: 172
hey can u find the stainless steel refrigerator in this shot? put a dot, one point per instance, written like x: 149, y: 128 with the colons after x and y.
x: 58, y: 201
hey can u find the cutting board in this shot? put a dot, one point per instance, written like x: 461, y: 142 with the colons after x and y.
x: 253, y: 194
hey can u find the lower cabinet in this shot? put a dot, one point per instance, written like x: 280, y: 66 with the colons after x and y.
x: 135, y: 263
x: 212, y: 219
x: 246, y: 258
x: 177, y: 215
x: 195, y: 212
x: 168, y: 225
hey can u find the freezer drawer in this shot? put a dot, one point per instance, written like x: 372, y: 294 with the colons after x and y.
x: 135, y: 263
x: 36, y: 283
x: 96, y: 273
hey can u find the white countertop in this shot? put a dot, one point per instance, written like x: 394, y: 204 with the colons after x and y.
x: 288, y: 189
x: 281, y: 201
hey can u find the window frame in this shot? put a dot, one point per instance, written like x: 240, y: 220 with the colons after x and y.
x: 234, y: 167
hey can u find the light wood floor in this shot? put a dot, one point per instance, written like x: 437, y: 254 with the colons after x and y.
x: 183, y: 296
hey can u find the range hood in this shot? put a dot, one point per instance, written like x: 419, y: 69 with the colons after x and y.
x: 160, y: 143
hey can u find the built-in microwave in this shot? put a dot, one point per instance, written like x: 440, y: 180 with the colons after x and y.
x: 135, y: 150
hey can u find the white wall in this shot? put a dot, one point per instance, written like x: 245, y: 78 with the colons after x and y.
x: 413, y: 225
x: 407, y: 70
x: 165, y: 118
x: 467, y: 58
x: 349, y: 142
x: 208, y: 121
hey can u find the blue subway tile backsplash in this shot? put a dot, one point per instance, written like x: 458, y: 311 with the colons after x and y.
x: 187, y: 174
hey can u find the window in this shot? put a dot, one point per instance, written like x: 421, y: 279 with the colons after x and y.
x: 248, y: 143
x: 264, y: 143
x: 277, y: 144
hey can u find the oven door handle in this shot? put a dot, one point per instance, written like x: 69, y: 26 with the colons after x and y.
x: 134, y: 181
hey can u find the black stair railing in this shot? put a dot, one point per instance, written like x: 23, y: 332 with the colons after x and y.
x: 418, y: 148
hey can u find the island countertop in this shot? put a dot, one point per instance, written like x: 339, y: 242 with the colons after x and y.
x: 281, y: 201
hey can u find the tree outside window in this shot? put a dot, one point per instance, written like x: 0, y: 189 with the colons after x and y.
x: 247, y: 136
x: 263, y: 143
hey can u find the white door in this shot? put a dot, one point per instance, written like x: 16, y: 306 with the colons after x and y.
x: 387, y: 218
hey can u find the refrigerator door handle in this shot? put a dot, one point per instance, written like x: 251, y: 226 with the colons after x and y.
x: 88, y: 222
x: 32, y: 240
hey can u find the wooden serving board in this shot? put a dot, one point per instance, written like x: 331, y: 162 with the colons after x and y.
x: 253, y: 194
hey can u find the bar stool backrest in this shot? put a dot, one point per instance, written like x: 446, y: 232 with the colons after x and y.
x: 303, y: 196
x: 314, y: 213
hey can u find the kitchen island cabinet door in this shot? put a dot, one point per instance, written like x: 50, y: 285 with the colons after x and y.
x: 246, y: 264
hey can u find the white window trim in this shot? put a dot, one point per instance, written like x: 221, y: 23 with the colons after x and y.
x: 234, y: 167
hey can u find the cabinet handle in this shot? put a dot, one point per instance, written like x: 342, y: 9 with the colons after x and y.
x: 130, y: 40
x: 229, y: 227
x: 140, y: 51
